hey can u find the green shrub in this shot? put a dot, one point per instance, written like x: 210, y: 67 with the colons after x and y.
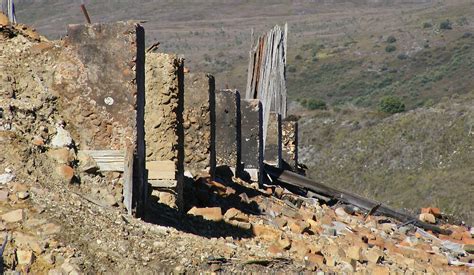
x: 445, y: 25
x: 462, y: 21
x: 427, y: 25
x: 390, y: 48
x: 391, y: 39
x: 391, y: 105
x: 402, y: 56
x: 298, y: 57
x: 314, y: 104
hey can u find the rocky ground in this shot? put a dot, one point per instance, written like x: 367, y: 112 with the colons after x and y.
x: 58, y: 217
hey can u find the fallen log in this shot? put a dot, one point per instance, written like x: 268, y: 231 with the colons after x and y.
x: 297, y: 180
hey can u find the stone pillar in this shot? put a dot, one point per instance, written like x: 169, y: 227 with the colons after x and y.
x: 99, y: 80
x: 272, y: 153
x: 252, y: 137
x: 199, y: 123
x: 228, y: 129
x: 164, y: 127
x: 289, y: 143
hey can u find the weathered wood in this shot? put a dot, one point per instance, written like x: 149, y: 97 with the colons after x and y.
x: 128, y: 180
x: 107, y: 160
x: 266, y: 76
x: 361, y: 202
x: 163, y: 183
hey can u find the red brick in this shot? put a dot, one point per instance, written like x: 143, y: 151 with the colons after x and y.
x: 315, y: 259
x: 380, y: 270
x: 65, y: 172
x: 275, y: 250
x: 266, y: 232
x: 207, y: 213
x: 299, y: 227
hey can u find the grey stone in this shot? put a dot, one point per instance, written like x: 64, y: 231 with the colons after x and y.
x: 6, y: 178
x: 62, y: 138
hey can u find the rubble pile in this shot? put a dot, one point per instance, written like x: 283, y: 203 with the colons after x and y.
x: 61, y: 215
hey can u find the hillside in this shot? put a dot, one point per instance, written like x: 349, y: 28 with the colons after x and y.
x: 421, y: 157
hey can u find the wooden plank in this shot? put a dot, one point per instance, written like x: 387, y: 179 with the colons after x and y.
x: 128, y: 180
x: 108, y: 160
x: 163, y: 183
x: 161, y: 170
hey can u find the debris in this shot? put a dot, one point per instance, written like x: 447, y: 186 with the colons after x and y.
x: 24, y: 257
x: 65, y: 172
x: 208, y: 213
x: 13, y: 216
x: 62, y: 138
x: 427, y: 217
x: 23, y: 195
x: 363, y: 203
x: 6, y: 177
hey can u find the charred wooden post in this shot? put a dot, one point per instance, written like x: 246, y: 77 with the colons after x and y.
x: 252, y: 138
x: 272, y: 154
x: 228, y: 129
x: 86, y: 14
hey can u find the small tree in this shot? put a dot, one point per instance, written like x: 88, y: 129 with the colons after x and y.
x: 391, y: 39
x: 391, y: 105
x: 427, y: 25
x: 315, y: 104
x: 390, y: 48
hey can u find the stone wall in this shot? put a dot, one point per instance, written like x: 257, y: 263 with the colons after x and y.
x: 164, y: 124
x: 99, y: 80
x: 199, y: 123
x: 95, y: 80
x: 228, y: 129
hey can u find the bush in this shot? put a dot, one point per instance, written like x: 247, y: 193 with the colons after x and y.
x: 445, y: 25
x: 402, y: 56
x: 390, y: 48
x: 391, y: 105
x: 427, y: 25
x: 314, y: 104
x: 391, y: 39
x: 462, y: 21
